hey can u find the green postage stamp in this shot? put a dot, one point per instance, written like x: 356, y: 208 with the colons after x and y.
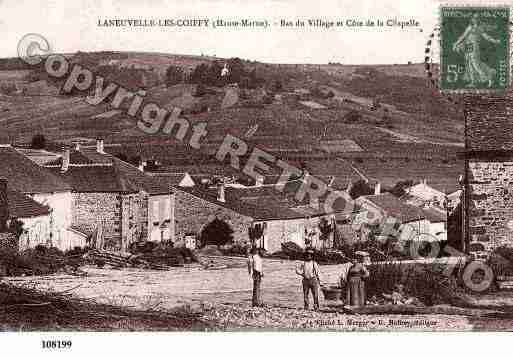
x: 474, y: 47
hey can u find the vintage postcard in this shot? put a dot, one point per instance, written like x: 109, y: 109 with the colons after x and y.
x: 250, y: 166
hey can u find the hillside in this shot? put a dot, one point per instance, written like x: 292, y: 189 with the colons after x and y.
x: 387, y: 110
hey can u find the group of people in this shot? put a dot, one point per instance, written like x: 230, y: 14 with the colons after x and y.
x: 353, y: 278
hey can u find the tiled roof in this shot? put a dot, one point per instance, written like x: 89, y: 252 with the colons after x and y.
x: 75, y: 158
x: 90, y: 171
x: 258, y: 209
x: 267, y: 202
x: 164, y: 181
x: 96, y: 179
x: 435, y: 215
x: 26, y: 176
x: 22, y: 206
x: 440, y: 175
x: 394, y: 207
x: 38, y: 156
x: 488, y: 122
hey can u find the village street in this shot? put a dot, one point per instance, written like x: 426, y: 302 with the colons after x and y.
x: 192, y: 284
x: 226, y: 293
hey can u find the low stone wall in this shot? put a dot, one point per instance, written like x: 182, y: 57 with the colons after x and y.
x: 8, y: 241
x: 491, y: 203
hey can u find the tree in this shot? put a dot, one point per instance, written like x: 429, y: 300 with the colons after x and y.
x: 237, y: 70
x: 174, y: 75
x: 352, y: 117
x: 200, y: 74
x: 255, y: 232
x: 217, y: 233
x: 399, y: 189
x: 326, y: 228
x: 15, y: 227
x: 360, y: 188
x: 38, y: 142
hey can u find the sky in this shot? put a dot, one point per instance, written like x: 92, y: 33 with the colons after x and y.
x: 70, y: 26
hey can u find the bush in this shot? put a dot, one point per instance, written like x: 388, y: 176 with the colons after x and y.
x: 352, y: 116
x: 217, y: 233
x: 174, y: 75
x: 501, y: 261
x: 38, y: 142
x: 268, y: 99
x: 423, y: 281
x: 236, y: 250
x: 360, y: 188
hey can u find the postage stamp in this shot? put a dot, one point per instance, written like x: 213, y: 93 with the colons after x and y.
x: 474, y: 49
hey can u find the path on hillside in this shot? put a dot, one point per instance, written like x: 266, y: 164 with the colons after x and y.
x: 401, y: 137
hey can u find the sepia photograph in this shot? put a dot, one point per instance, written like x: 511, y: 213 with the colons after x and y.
x: 245, y: 166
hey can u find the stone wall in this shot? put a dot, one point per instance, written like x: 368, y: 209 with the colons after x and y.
x: 8, y: 241
x: 90, y: 208
x: 489, y: 131
x: 193, y: 213
x: 133, y: 219
x: 490, y: 199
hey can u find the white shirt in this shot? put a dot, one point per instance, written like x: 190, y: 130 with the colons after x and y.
x: 308, y: 270
x: 255, y: 264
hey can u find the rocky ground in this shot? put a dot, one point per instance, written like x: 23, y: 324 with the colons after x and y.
x: 221, y: 300
x: 244, y: 317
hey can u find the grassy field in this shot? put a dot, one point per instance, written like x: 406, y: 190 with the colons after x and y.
x: 414, y: 120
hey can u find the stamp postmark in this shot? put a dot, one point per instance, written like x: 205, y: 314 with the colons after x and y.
x: 474, y: 49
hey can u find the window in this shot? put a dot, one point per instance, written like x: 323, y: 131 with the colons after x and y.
x: 155, y: 211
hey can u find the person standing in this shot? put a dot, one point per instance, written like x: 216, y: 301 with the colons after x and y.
x: 355, y: 295
x: 255, y: 269
x: 309, y: 271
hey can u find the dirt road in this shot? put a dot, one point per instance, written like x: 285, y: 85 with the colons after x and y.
x: 224, y: 296
x: 146, y: 288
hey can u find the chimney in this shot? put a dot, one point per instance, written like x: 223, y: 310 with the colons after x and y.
x: 99, y: 145
x: 377, y: 188
x: 220, y: 194
x: 141, y: 166
x: 77, y: 146
x: 259, y: 181
x: 4, y: 205
x: 65, y: 161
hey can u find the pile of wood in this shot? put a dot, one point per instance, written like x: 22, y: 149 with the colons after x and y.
x: 123, y: 260
x: 39, y: 261
x: 325, y: 256
x: 292, y: 250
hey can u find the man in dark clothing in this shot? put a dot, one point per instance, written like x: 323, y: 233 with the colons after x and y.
x: 309, y: 270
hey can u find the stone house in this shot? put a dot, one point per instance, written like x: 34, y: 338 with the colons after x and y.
x: 414, y: 223
x: 116, y: 203
x: 425, y: 194
x: 35, y: 218
x: 284, y: 218
x: 108, y: 209
x: 488, y: 195
x: 39, y: 184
